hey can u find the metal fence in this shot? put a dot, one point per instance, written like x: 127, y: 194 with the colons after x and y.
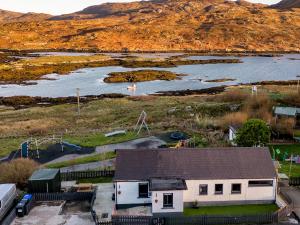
x: 267, y: 218
x: 76, y: 175
x: 294, y: 181
x: 68, y: 196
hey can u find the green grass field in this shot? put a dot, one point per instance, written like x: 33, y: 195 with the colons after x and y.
x: 93, y: 140
x: 87, y: 159
x: 289, y: 148
x: 285, y: 166
x: 231, y: 210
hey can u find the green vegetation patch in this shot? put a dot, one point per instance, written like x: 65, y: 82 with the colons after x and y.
x: 7, y: 145
x: 231, y: 210
x: 285, y: 150
x: 285, y: 168
x: 141, y: 75
x: 83, y: 160
x: 94, y: 140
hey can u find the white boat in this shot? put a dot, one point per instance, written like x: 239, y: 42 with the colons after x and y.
x: 132, y: 87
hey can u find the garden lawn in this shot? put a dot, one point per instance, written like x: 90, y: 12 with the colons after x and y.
x: 87, y: 159
x: 231, y: 210
x: 285, y: 168
x: 290, y: 149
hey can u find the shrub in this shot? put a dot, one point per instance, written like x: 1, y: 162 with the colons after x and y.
x: 292, y: 99
x: 259, y: 107
x: 236, y: 118
x: 284, y: 126
x: 17, y: 171
x: 233, y: 96
x: 254, y: 132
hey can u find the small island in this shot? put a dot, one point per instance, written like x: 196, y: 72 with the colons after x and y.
x: 221, y: 80
x: 141, y: 76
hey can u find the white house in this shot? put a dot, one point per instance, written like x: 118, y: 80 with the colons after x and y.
x: 170, y: 179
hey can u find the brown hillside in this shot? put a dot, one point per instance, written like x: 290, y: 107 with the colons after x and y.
x: 162, y: 25
x: 9, y: 17
x: 287, y: 4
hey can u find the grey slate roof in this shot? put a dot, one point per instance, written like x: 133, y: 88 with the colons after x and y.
x: 165, y: 184
x: 44, y: 174
x: 199, y: 164
x: 286, y: 111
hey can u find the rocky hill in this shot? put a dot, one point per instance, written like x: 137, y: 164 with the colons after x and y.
x: 10, y: 17
x: 162, y: 25
x: 287, y: 4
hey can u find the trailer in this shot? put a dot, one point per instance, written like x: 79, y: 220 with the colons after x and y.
x: 8, y: 194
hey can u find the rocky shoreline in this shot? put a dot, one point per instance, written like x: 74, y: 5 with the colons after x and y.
x: 88, y: 50
x: 19, y: 102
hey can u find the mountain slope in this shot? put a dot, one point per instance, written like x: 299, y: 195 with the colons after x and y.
x: 162, y: 25
x: 10, y: 17
x: 287, y: 4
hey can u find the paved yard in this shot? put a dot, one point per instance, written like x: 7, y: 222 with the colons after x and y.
x: 103, y: 203
x: 294, y: 194
x: 52, y: 214
x: 135, y: 211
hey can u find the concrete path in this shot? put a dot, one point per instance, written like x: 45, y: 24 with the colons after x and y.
x: 148, y: 142
x: 103, y: 203
x: 294, y: 194
x: 90, y: 166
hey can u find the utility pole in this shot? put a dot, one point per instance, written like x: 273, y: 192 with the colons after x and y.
x: 291, y: 166
x: 78, y: 100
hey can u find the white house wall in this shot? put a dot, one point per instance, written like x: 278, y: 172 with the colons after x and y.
x: 157, y: 202
x: 247, y: 193
x: 128, y: 193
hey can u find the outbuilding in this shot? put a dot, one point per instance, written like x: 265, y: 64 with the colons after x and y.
x: 45, y: 181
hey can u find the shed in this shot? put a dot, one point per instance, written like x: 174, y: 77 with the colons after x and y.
x: 286, y: 111
x: 45, y: 181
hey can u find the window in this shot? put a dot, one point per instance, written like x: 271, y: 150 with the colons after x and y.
x: 168, y: 201
x: 143, y: 190
x: 236, y: 189
x: 218, y: 189
x: 203, y: 189
x: 260, y: 183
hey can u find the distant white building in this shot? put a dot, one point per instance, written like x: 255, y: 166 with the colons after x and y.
x: 232, y: 134
x: 169, y: 180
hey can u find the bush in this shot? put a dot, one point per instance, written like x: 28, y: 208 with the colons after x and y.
x: 17, y: 171
x: 292, y: 99
x: 254, y: 132
x: 236, y: 118
x: 284, y: 126
x: 233, y: 96
x: 259, y: 107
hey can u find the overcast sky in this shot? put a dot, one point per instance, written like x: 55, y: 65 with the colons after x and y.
x: 56, y: 7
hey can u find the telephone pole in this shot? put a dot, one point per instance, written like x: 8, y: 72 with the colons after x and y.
x: 78, y: 100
